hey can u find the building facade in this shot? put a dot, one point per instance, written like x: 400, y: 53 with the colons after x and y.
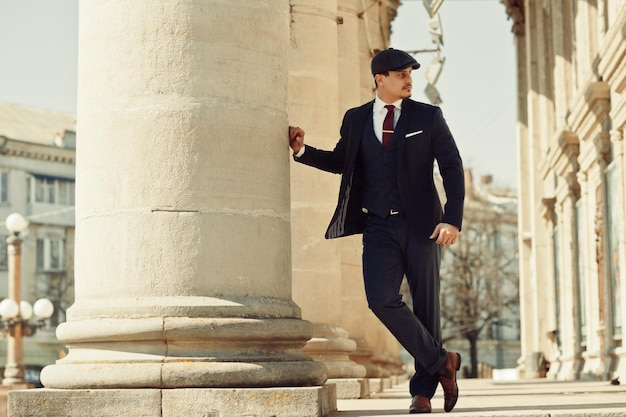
x: 37, y: 165
x: 572, y: 115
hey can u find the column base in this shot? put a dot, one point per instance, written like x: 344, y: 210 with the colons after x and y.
x: 184, y: 352
x: 331, y: 346
x: 593, y: 368
x: 618, y: 364
x: 188, y: 402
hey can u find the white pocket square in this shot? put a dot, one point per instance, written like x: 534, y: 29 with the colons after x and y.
x: 408, y: 135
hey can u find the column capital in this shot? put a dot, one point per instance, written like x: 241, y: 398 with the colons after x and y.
x: 515, y: 11
x: 602, y: 145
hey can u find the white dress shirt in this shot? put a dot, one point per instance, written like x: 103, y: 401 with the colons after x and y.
x: 379, y: 116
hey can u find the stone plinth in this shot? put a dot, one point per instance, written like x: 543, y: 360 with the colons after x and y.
x: 204, y: 402
x: 351, y: 388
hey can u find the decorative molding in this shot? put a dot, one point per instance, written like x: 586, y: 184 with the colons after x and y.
x: 590, y: 109
x: 563, y: 158
x: 20, y: 149
x: 515, y: 11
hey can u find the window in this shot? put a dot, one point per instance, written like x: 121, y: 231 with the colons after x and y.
x: 580, y: 272
x: 612, y: 224
x: 3, y: 253
x: 557, y: 282
x: 51, y: 190
x: 50, y: 254
x: 4, y: 183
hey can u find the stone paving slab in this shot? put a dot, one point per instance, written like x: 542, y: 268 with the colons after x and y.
x: 487, y: 398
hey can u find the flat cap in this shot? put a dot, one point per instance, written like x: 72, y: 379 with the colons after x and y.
x: 392, y: 60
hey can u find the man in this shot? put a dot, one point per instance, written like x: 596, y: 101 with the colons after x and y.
x: 386, y: 157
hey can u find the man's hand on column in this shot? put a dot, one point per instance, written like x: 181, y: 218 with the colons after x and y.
x: 296, y: 138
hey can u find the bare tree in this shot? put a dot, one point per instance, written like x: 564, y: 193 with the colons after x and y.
x: 479, y: 277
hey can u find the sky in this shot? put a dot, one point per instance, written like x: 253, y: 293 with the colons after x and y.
x: 38, y: 68
x: 478, y: 84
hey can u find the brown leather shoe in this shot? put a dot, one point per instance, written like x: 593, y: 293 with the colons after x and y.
x: 419, y: 405
x: 447, y: 378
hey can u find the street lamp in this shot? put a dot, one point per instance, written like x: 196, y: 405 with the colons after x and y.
x: 15, y: 313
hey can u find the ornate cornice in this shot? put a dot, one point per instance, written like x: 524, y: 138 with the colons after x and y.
x: 563, y: 158
x: 11, y: 147
x: 515, y: 11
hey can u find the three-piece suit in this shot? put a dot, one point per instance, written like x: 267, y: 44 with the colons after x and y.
x: 388, y: 193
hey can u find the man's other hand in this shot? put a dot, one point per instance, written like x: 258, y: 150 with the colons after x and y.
x: 446, y: 234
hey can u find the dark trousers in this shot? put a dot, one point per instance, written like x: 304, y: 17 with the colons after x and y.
x: 389, y: 253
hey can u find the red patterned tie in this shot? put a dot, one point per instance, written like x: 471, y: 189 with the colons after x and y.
x: 388, y: 124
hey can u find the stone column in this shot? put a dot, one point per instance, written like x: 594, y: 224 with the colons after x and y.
x: 515, y: 11
x: 567, y: 195
x: 313, y: 95
x: 355, y: 316
x: 541, y: 265
x: 14, y: 368
x: 183, y: 263
x: 588, y: 120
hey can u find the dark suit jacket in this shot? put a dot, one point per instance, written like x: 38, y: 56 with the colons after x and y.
x: 423, y: 137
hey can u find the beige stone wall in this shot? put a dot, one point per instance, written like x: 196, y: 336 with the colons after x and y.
x: 571, y: 120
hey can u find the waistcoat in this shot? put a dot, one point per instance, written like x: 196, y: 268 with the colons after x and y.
x: 379, y: 170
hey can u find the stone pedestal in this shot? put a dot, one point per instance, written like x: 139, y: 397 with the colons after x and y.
x: 183, y: 263
x: 331, y: 346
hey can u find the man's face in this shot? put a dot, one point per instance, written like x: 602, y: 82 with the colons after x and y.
x: 397, y: 85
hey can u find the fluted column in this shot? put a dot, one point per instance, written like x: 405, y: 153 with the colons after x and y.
x: 313, y: 103
x: 183, y: 272
x: 355, y: 316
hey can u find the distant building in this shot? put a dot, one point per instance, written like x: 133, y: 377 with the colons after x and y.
x: 37, y: 172
x: 480, y: 280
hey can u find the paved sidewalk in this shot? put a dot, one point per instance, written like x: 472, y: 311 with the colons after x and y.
x: 487, y: 398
